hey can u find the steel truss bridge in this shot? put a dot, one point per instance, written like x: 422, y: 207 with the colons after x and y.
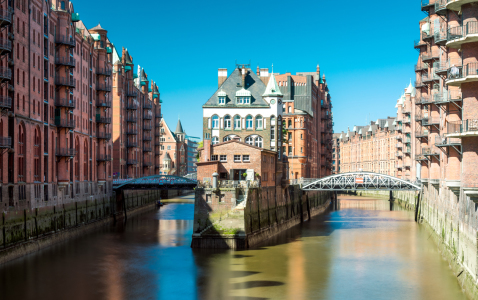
x: 155, y: 182
x: 359, y: 181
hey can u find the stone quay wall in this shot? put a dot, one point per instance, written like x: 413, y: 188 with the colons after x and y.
x: 28, y: 230
x: 267, y: 212
x: 451, y: 227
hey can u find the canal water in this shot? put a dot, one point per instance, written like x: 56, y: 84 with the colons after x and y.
x: 362, y: 250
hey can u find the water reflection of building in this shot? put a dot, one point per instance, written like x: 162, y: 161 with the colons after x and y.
x: 168, y: 232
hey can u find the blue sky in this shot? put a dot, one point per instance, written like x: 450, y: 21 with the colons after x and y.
x: 365, y: 48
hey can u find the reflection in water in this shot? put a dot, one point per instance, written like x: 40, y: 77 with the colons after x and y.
x: 363, y: 249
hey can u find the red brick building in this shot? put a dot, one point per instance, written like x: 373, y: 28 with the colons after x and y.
x: 56, y: 105
x: 235, y: 160
x: 174, y: 150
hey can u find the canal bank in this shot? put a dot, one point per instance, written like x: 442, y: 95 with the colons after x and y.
x: 30, y: 230
x: 450, y: 233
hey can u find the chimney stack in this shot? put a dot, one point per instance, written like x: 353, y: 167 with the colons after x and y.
x: 258, y: 72
x: 264, y: 74
x: 244, y: 72
x: 222, y: 76
x: 206, y: 153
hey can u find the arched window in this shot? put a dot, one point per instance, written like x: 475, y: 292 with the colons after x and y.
x: 258, y: 142
x: 290, y: 109
x: 36, y: 155
x: 249, y: 122
x: 273, y: 119
x: 259, y: 122
x: 250, y: 140
x: 215, y: 140
x: 237, y: 122
x: 215, y: 122
x: 227, y: 122
x: 85, y: 161
x: 62, y: 5
x: 227, y: 138
x: 290, y: 123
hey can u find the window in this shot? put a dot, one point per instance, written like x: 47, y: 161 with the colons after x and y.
x: 290, y: 109
x: 259, y: 122
x: 245, y: 158
x: 223, y: 158
x: 273, y: 133
x: 237, y: 122
x: 215, y: 122
x: 247, y: 100
x: 264, y: 176
x: 289, y: 136
x: 169, y: 147
x: 222, y: 100
x: 227, y: 122
x: 249, y: 122
x: 258, y: 142
x: 237, y: 158
x: 227, y: 138
x: 290, y: 123
x: 250, y: 140
x: 214, y: 157
x: 215, y: 140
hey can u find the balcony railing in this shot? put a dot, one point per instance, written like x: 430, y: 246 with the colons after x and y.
x: 147, y: 164
x: 103, y: 135
x: 65, y: 61
x: 470, y: 125
x: 406, y: 120
x: 103, y: 157
x: 421, y: 133
x: 419, y: 43
x: 147, y: 149
x: 5, y: 142
x: 131, y: 162
x: 459, y: 32
x: 65, y: 152
x: 147, y: 105
x: 5, y: 73
x: 6, y: 16
x: 429, y: 56
x: 103, y: 103
x: 131, y: 93
x: 426, y: 78
x: 132, y: 119
x: 421, y: 67
x: 131, y: 144
x: 420, y: 157
x: 147, y: 127
x: 64, y: 123
x: 429, y: 151
x: 5, y: 102
x: 147, y: 116
x: 103, y: 120
x: 440, y: 6
x: 457, y: 72
x: 64, y: 102
x: 5, y: 45
x: 65, y: 81
x: 441, y: 141
x: 100, y: 86
x: 132, y: 131
x: 406, y: 111
x: 147, y: 138
x: 426, y: 4
x: 430, y: 121
x: 65, y: 40
x: 132, y: 105
x: 104, y: 71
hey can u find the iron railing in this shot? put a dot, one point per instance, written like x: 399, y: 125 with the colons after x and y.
x: 103, y: 87
x: 462, y: 126
x: 5, y: 102
x: 103, y: 103
x: 65, y: 152
x: 103, y: 135
x: 65, y: 61
x: 65, y: 123
x: 64, y: 102
x: 65, y: 81
x: 65, y: 40
x: 445, y: 141
x: 104, y: 71
x: 5, y: 73
x: 454, y: 33
x: 103, y: 120
x: 5, y: 142
x: 132, y: 105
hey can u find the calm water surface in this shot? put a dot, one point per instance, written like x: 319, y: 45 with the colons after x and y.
x: 363, y: 250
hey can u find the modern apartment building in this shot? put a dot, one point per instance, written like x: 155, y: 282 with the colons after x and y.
x: 137, y: 120
x: 192, y: 152
x: 370, y: 148
x: 56, y: 106
x: 307, y: 115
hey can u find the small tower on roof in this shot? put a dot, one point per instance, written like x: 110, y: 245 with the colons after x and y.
x: 179, y: 131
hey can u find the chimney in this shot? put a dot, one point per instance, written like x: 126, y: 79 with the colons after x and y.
x: 222, y: 76
x: 258, y: 72
x: 264, y: 74
x: 244, y: 72
x: 206, y: 153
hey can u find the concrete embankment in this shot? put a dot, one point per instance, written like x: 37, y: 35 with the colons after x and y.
x: 29, y: 230
x: 455, y: 234
x: 264, y: 212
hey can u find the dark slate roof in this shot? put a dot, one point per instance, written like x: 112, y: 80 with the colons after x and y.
x: 179, y: 128
x: 302, y: 95
x: 167, y: 156
x: 253, y: 84
x: 98, y: 28
x: 127, y: 58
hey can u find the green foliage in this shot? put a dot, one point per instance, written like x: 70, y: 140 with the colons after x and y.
x: 223, y: 230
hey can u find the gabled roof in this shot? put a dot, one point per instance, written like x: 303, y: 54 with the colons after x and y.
x: 234, y: 83
x: 272, y: 89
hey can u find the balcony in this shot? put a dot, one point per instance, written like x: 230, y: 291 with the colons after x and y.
x: 406, y: 111
x: 103, y: 120
x: 103, y: 103
x: 147, y: 138
x: 430, y: 78
x: 65, y: 61
x: 407, y: 150
x: 421, y: 134
x: 65, y: 81
x: 131, y: 162
x: 429, y: 151
x: 419, y: 83
x: 64, y: 123
x: 5, y: 102
x: 408, y: 140
x: 430, y: 121
x: 147, y: 127
x: 147, y: 149
x: 460, y: 35
x: 132, y: 119
x: 398, y: 145
x: 131, y: 131
x: 147, y: 105
x: 427, y: 4
x: 398, y: 154
x: 104, y: 71
x: 406, y: 120
x: 157, y: 143
x: 440, y: 68
x: 148, y: 116
x: 65, y: 152
x: 5, y: 73
x: 132, y: 105
x: 441, y: 37
x: 440, y: 7
x: 147, y: 164
x: 465, y: 128
x: 424, y: 100
x: 6, y: 17
x: 157, y: 133
x: 64, y: 102
x: 65, y: 40
x: 429, y: 56
x: 421, y: 67
x: 103, y: 157
x: 418, y: 117
x: 100, y: 86
x: 419, y: 43
x: 131, y: 144
x: 5, y: 142
x: 456, y: 4
x: 398, y: 165
x: 5, y: 46
x: 458, y: 75
x: 103, y: 136
x: 131, y: 93
x: 420, y: 157
x: 444, y: 141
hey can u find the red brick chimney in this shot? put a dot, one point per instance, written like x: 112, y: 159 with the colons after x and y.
x: 221, y: 76
x: 206, y: 153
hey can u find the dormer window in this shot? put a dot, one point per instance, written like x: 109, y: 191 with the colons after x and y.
x: 243, y: 96
x: 222, y: 100
x: 221, y: 97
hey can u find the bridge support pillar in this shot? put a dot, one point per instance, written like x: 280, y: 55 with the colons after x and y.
x: 120, y: 198
x: 391, y: 196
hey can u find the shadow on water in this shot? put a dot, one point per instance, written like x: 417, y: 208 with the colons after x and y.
x: 255, y: 284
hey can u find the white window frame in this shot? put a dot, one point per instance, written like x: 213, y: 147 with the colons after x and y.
x: 246, y: 158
